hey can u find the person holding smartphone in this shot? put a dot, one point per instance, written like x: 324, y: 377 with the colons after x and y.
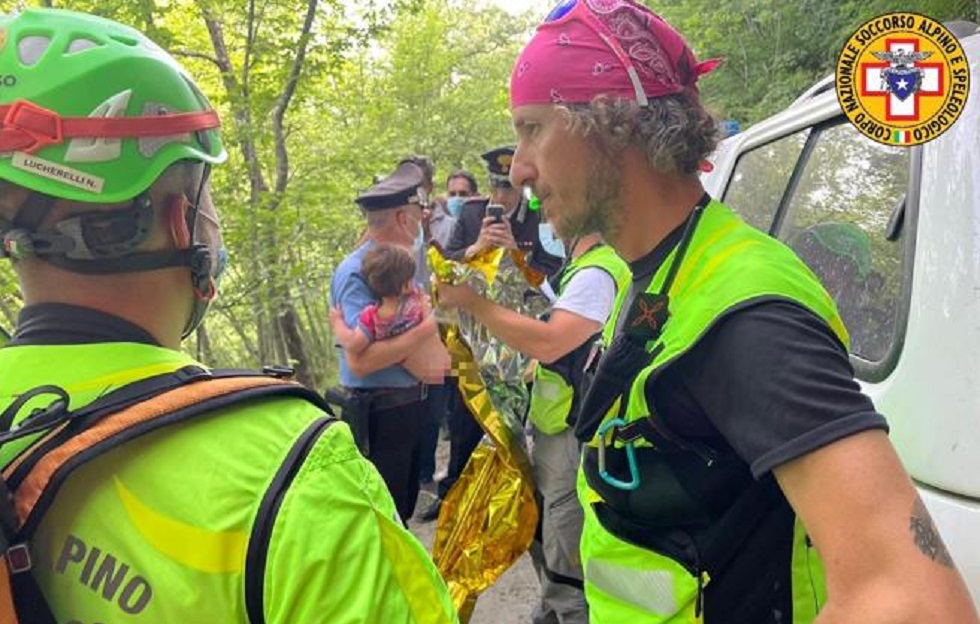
x: 500, y: 220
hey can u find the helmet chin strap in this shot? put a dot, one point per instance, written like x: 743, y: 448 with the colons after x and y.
x: 201, y: 264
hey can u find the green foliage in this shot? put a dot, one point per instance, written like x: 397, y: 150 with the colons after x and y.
x: 775, y: 50
x: 383, y: 79
x: 380, y: 80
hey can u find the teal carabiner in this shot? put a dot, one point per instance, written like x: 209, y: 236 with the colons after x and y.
x: 634, y: 481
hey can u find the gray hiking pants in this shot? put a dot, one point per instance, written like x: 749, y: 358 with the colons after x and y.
x: 556, y: 557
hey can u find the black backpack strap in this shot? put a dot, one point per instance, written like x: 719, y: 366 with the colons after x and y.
x: 257, y: 554
x: 20, y: 595
x: 8, y: 415
x: 28, y: 601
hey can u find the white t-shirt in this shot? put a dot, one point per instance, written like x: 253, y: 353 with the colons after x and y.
x: 590, y: 293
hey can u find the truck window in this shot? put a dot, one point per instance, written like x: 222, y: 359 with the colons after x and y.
x: 760, y: 178
x: 836, y: 220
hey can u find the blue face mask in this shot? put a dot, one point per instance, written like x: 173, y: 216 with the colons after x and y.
x: 220, y: 266
x: 455, y: 205
x: 549, y: 241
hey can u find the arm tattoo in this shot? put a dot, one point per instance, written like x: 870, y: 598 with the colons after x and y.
x: 926, y: 535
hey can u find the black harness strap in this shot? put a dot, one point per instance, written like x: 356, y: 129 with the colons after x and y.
x: 256, y: 557
x: 8, y: 415
x: 655, y: 431
x: 561, y: 579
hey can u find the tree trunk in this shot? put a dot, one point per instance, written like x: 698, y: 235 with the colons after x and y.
x: 204, y: 352
x: 294, y: 344
x: 279, y: 342
x: 236, y: 325
x: 288, y: 319
x: 316, y: 323
x: 286, y: 335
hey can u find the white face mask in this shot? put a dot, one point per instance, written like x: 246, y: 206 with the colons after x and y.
x: 419, y: 241
x: 207, y: 234
x: 418, y: 232
x: 550, y: 241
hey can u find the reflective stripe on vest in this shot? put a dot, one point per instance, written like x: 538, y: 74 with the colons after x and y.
x: 728, y: 265
x: 624, y: 583
x: 552, y: 396
x: 651, y: 590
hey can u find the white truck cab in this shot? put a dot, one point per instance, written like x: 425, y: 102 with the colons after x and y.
x: 894, y: 233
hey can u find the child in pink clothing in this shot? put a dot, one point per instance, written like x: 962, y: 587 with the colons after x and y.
x: 388, y: 271
x: 394, y: 316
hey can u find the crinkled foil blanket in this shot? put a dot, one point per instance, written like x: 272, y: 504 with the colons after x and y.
x: 489, y: 517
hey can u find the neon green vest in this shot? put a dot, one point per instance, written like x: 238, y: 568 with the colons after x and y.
x: 157, y: 529
x: 553, y: 393
x: 727, y: 265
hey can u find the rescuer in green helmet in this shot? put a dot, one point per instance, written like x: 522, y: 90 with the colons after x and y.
x: 257, y: 509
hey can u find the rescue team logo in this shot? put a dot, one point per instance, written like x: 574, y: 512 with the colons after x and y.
x: 902, y: 79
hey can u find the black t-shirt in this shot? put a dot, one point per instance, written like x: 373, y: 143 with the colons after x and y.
x: 770, y: 381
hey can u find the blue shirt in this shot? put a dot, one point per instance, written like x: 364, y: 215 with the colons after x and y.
x: 350, y: 292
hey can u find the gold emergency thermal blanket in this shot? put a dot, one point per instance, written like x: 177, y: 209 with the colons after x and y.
x: 489, y: 517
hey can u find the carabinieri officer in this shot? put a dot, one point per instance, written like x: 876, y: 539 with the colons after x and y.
x: 383, y: 380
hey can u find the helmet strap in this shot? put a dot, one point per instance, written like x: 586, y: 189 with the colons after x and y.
x: 196, y: 206
x: 205, y: 288
x: 201, y: 263
x: 103, y: 243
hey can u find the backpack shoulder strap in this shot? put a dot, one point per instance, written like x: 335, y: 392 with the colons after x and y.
x: 36, y: 475
x: 32, y: 480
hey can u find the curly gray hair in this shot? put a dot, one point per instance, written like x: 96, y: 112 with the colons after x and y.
x: 675, y: 132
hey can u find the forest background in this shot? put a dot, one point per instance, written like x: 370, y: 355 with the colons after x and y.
x: 319, y: 96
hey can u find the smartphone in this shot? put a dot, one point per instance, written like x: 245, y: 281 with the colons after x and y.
x: 496, y: 211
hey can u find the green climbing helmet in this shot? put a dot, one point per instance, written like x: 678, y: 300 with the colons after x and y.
x: 93, y: 111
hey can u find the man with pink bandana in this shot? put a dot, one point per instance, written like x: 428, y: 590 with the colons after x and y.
x: 733, y: 471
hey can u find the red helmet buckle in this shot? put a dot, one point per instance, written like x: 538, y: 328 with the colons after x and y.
x: 27, y: 127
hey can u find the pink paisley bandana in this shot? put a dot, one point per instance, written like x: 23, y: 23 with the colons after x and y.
x: 612, y: 47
